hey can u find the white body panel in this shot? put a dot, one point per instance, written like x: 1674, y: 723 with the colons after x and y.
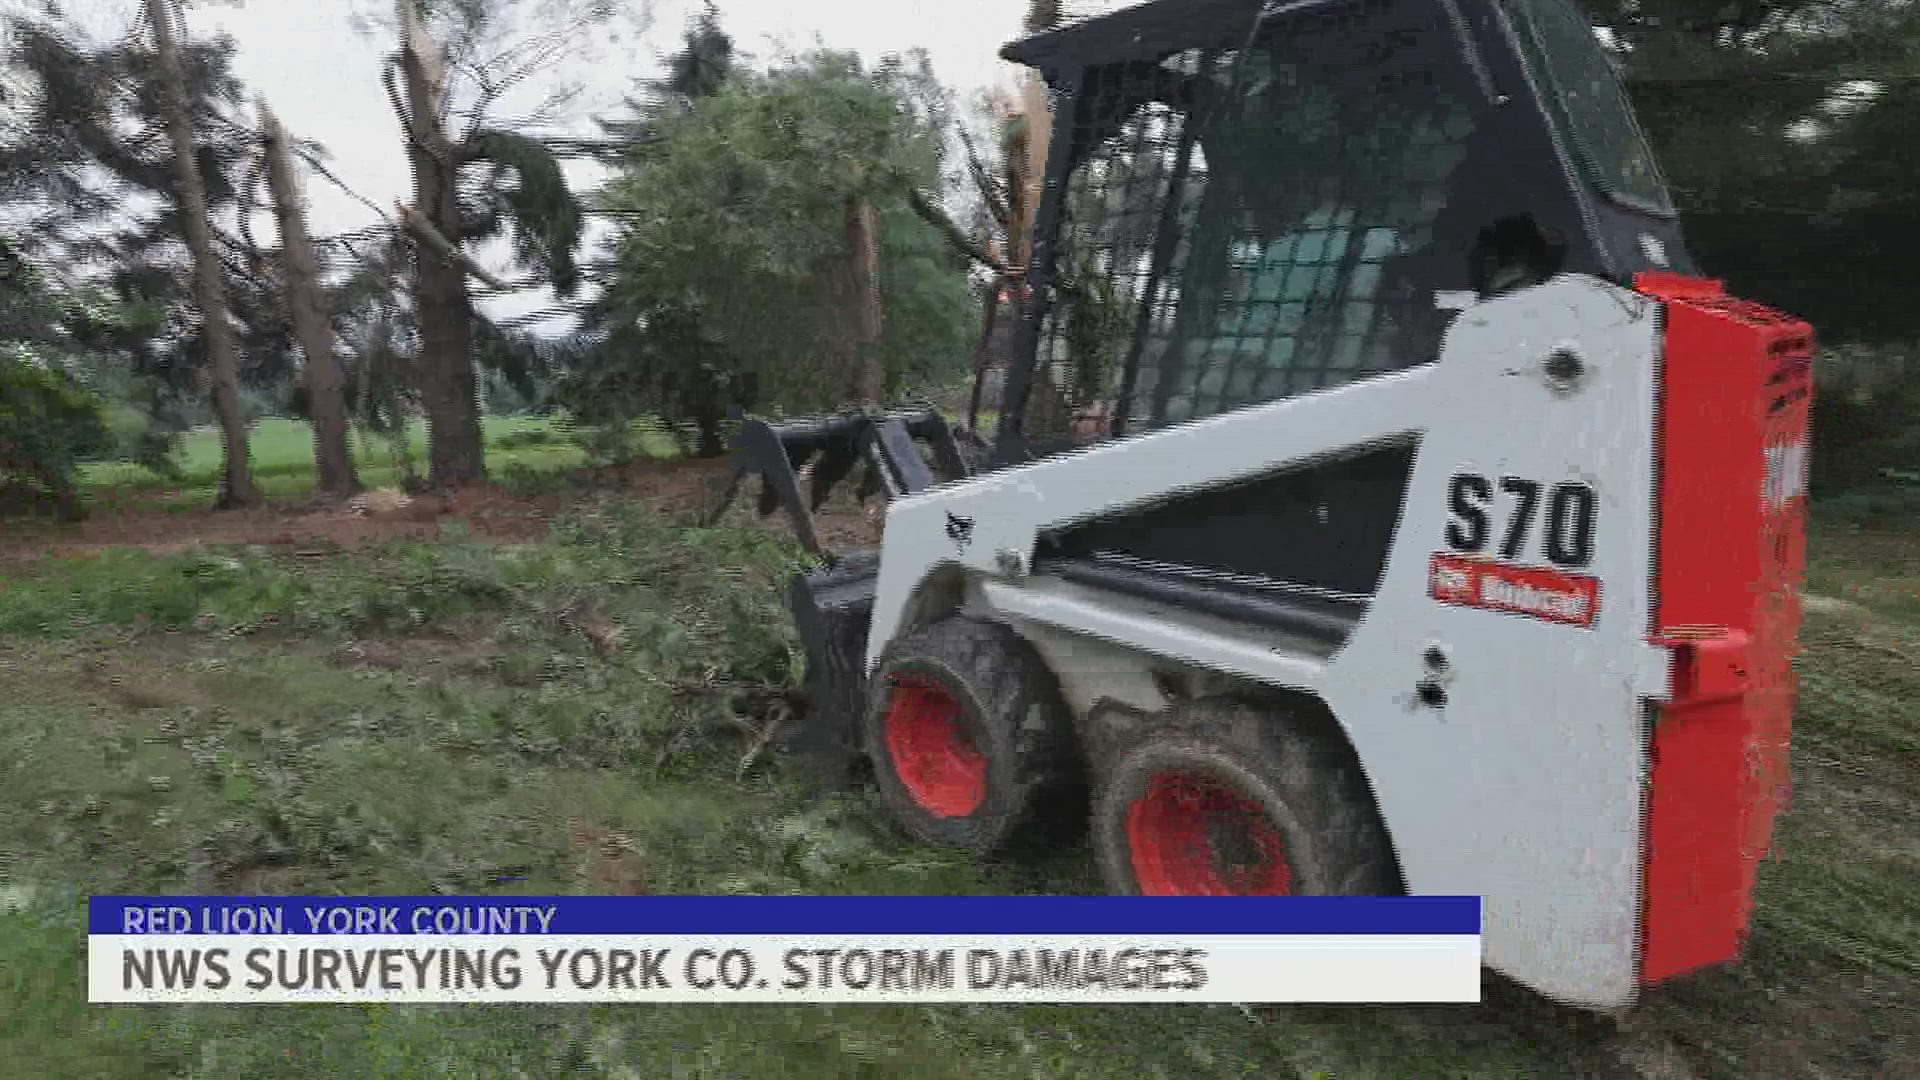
x: 1526, y: 787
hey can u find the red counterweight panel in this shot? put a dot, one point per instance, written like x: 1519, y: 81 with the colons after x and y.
x: 1736, y: 386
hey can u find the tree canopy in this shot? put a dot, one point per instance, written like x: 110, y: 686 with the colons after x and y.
x: 735, y: 215
x: 745, y: 197
x: 1784, y: 128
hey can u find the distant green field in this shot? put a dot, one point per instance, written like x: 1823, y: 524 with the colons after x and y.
x: 281, y: 453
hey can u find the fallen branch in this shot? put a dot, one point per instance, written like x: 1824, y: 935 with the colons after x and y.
x: 423, y: 230
x: 954, y: 235
x: 778, y: 716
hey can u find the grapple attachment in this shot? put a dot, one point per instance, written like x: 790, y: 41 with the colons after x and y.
x: 832, y: 606
x: 885, y: 447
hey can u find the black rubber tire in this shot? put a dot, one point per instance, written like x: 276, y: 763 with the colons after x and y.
x: 1010, y: 708
x: 1302, y: 778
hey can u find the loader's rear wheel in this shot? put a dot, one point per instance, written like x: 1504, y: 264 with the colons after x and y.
x: 970, y: 741
x: 1224, y: 799
x: 1190, y: 834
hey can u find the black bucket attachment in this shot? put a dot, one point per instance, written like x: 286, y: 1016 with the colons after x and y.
x: 885, y: 446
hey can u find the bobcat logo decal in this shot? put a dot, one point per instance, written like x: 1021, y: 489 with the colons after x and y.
x: 959, y: 530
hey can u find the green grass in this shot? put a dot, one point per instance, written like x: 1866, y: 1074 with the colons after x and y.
x: 281, y: 455
x: 433, y: 717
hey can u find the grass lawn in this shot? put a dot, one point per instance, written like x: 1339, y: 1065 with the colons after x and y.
x: 433, y: 717
x: 281, y: 453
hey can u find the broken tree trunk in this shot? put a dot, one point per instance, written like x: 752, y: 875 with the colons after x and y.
x: 983, y: 353
x: 326, y: 384
x: 449, y: 388
x: 236, y: 482
x: 863, y: 264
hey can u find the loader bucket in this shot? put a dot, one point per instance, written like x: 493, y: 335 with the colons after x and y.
x: 883, y: 445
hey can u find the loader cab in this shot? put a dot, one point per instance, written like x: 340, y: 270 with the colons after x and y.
x: 1241, y: 206
x: 1244, y: 206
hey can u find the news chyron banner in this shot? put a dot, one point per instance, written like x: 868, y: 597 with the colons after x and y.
x: 795, y: 949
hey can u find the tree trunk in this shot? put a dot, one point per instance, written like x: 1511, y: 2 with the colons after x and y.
x: 712, y: 441
x: 983, y: 357
x: 705, y: 406
x: 236, y: 484
x: 326, y: 394
x: 863, y: 264
x: 1036, y: 145
x: 456, y: 453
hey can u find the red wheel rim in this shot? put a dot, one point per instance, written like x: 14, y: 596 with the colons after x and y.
x: 932, y: 753
x: 1190, y: 835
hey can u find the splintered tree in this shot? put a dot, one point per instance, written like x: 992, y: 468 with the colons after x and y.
x: 449, y: 390
x: 446, y: 214
x: 325, y: 384
x: 236, y: 484
x: 864, y: 305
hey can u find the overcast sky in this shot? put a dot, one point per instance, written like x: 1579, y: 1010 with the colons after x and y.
x: 321, y: 72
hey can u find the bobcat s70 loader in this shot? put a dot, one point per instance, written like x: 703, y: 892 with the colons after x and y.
x: 1444, y: 532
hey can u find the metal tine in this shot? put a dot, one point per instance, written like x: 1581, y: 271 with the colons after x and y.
x: 835, y: 463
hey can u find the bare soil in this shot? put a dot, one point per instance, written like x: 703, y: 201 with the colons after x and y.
x: 488, y: 513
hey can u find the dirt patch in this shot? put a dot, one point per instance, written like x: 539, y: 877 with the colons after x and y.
x: 608, y: 862
x: 687, y: 490
x: 487, y: 513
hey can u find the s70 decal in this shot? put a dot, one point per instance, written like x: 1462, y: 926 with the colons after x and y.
x: 1510, y: 520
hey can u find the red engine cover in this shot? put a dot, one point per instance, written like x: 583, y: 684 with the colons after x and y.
x: 1736, y: 387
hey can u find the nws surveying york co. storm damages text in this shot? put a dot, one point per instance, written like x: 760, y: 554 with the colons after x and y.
x: 640, y: 971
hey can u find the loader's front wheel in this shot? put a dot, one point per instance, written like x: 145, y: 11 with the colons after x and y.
x: 1225, y: 799
x: 970, y: 741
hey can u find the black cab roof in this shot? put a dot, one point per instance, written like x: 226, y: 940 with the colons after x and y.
x: 1137, y: 32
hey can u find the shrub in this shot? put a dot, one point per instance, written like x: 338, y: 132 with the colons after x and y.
x: 1866, y: 413
x: 525, y: 437
x: 612, y: 444
x: 49, y: 424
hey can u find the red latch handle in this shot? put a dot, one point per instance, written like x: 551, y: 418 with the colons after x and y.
x: 1710, y: 663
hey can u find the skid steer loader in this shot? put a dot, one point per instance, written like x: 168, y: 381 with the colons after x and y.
x: 1445, y: 532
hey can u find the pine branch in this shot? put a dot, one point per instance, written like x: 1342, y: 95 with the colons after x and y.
x: 545, y: 215
x: 991, y: 189
x: 256, y: 172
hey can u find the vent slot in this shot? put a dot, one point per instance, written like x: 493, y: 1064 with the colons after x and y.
x: 1786, y: 400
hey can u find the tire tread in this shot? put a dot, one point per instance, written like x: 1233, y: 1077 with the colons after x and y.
x: 1309, y: 770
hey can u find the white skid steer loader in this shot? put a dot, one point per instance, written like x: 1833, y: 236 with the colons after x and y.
x: 1445, y: 532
